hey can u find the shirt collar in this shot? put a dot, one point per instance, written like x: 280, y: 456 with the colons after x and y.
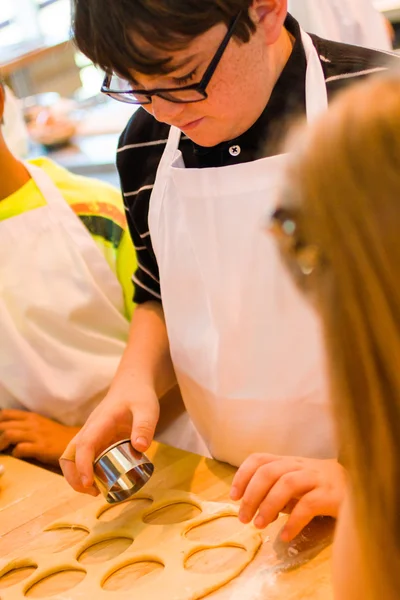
x: 287, y: 101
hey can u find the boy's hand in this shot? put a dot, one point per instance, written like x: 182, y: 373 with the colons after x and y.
x: 34, y: 436
x: 267, y: 484
x: 112, y: 420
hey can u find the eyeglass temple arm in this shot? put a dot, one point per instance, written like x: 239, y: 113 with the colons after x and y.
x: 218, y: 55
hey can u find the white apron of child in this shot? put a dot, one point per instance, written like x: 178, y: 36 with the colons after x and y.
x: 246, y: 346
x: 62, y: 320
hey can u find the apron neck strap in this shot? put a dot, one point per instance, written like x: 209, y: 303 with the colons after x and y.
x: 316, y: 92
x: 168, y: 156
x: 45, y: 184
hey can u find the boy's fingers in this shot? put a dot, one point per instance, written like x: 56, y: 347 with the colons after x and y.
x: 70, y: 469
x: 98, y: 434
x: 145, y: 419
x: 93, y: 438
x: 71, y: 474
x: 85, y: 455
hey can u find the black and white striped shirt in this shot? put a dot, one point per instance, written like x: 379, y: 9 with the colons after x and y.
x: 143, y: 141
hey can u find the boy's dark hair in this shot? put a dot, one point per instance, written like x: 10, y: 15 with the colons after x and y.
x: 107, y: 31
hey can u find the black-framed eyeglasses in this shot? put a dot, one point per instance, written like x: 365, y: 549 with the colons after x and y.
x: 195, y: 92
x: 283, y: 226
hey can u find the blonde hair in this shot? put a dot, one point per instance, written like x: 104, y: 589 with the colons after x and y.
x: 344, y: 190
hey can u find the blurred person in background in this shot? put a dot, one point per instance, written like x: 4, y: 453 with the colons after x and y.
x: 348, y: 21
x: 65, y: 297
x: 338, y: 229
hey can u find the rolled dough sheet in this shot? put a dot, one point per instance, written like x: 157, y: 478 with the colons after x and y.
x: 167, y: 544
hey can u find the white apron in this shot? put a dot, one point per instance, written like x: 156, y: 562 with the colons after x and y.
x: 61, y: 312
x: 348, y: 21
x: 246, y: 346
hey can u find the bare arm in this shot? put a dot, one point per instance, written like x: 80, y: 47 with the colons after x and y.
x: 131, y: 407
x: 146, y: 360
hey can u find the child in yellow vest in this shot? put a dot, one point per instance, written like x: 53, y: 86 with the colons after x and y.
x: 65, y: 300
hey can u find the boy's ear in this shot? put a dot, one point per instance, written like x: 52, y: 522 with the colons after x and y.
x: 270, y: 15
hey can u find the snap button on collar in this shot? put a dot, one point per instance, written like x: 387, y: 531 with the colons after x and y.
x: 234, y: 150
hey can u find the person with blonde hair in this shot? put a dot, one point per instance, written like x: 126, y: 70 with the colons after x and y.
x: 338, y: 228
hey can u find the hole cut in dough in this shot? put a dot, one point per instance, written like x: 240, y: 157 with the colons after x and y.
x: 177, y: 512
x: 125, y: 510
x: 56, y: 583
x: 104, y: 550
x: 216, y: 530
x: 16, y: 572
x: 124, y: 578
x: 215, y: 560
x: 58, y: 539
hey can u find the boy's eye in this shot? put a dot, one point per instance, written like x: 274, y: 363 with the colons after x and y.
x: 186, y: 79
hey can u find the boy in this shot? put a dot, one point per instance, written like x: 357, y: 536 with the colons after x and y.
x: 217, y: 80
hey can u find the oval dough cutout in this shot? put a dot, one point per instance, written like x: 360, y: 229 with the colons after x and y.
x: 128, y: 509
x: 216, y: 530
x: 216, y: 560
x: 104, y: 550
x: 56, y: 583
x: 124, y: 578
x: 172, y: 513
x: 59, y: 539
x: 16, y: 574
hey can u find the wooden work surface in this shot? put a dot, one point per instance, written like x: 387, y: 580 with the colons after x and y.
x: 32, y: 498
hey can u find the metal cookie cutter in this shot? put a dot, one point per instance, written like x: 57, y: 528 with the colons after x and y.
x: 121, y: 471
